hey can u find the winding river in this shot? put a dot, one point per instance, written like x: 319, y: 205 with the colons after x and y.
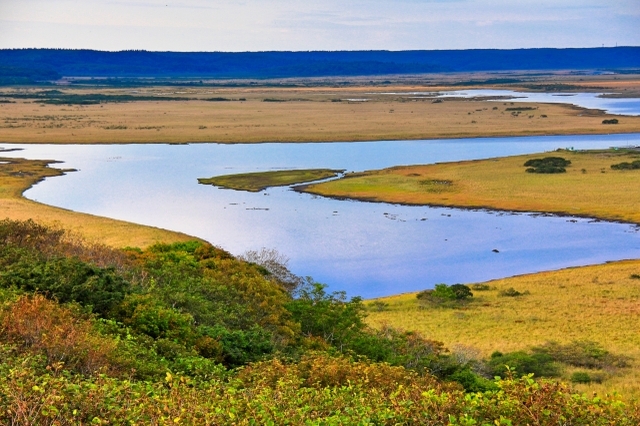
x: 367, y: 249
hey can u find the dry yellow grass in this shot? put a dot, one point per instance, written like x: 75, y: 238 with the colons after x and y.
x: 600, y: 303
x: 588, y: 188
x: 305, y: 116
x: 18, y: 175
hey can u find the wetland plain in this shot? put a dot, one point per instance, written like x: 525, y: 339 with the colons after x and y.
x: 578, y: 299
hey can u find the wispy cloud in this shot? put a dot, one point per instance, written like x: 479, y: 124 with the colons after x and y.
x: 321, y: 24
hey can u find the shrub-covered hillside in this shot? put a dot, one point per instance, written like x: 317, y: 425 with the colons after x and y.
x: 188, y: 334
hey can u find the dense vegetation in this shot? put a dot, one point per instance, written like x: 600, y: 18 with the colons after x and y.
x: 625, y: 165
x: 547, y: 165
x: 187, y: 334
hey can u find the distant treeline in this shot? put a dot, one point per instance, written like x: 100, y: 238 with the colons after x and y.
x: 29, y: 65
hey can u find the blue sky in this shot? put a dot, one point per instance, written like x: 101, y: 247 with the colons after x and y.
x: 254, y: 25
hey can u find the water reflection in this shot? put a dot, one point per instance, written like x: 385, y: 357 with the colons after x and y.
x: 367, y: 249
x: 619, y: 106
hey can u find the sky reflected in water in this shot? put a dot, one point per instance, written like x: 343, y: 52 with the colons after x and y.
x: 367, y: 249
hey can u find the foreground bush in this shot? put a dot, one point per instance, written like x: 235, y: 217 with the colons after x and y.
x: 186, y: 334
x: 319, y: 390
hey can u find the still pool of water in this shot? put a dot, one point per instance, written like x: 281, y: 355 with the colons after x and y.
x: 619, y: 106
x: 367, y: 249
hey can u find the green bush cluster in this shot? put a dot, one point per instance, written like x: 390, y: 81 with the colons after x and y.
x: 521, y: 363
x: 634, y: 165
x: 550, y: 359
x: 445, y: 295
x: 186, y: 334
x: 610, y: 121
x: 317, y: 390
x: 584, y: 353
x: 547, y: 165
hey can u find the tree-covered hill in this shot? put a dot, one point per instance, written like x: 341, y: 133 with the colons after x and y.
x: 43, y: 64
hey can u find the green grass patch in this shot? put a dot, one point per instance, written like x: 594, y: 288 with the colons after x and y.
x: 255, y: 182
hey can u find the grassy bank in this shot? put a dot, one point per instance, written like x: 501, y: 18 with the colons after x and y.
x: 255, y: 182
x: 594, y: 303
x: 18, y: 175
x: 588, y: 188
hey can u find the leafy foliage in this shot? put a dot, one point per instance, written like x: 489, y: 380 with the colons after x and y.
x: 149, y: 337
x: 522, y: 363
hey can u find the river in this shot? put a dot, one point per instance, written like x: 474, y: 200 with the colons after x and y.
x: 366, y: 249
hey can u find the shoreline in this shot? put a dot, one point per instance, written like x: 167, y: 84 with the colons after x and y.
x: 97, y: 229
x: 486, y: 209
x: 522, y: 134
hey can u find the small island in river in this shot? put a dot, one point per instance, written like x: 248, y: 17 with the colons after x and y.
x: 256, y: 182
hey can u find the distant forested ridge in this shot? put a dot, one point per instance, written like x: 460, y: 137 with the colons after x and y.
x: 30, y: 65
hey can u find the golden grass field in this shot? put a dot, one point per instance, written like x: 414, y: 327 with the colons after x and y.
x: 17, y: 175
x: 304, y: 114
x: 589, y: 187
x: 599, y: 303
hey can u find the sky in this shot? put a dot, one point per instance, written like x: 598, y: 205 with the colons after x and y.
x: 259, y: 25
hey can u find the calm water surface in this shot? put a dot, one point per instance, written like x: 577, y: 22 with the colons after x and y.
x: 367, y: 249
x: 620, y: 106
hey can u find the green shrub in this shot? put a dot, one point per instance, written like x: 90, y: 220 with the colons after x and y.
x: 584, y: 354
x: 512, y: 292
x: 547, y: 165
x: 147, y: 315
x: 240, y: 347
x: 580, y: 377
x: 68, y: 280
x: 445, y: 295
x: 471, y: 382
x: 610, y: 121
x: 634, y: 165
x: 538, y: 364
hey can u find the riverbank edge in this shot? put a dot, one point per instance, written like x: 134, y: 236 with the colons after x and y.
x: 15, y: 206
x: 479, y: 208
x: 168, y: 236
